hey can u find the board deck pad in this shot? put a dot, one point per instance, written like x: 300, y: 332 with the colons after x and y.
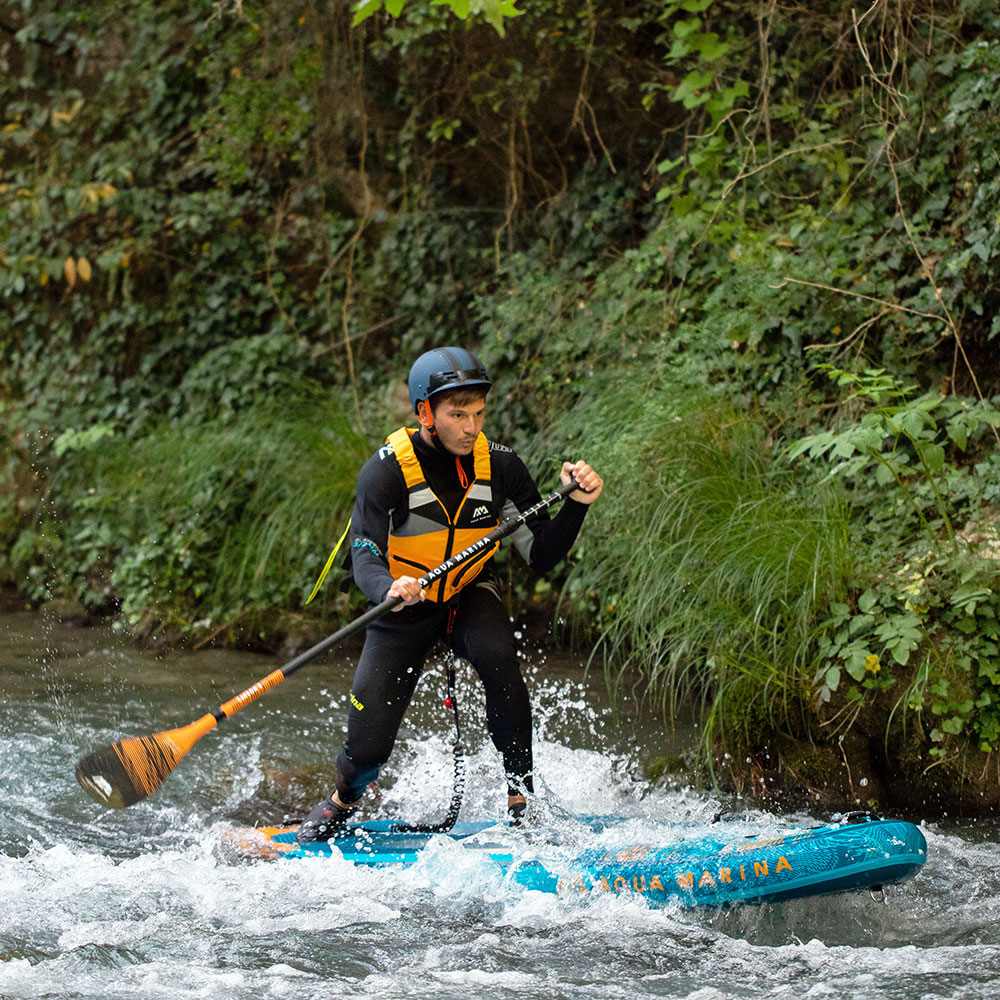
x: 708, y: 871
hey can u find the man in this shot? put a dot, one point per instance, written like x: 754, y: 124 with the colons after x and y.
x: 424, y: 496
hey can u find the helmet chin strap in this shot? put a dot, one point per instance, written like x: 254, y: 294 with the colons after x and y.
x: 426, y: 417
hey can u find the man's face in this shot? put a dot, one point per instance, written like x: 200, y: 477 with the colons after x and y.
x: 459, y: 424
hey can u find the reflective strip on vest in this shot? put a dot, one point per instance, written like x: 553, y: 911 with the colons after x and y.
x: 427, y: 537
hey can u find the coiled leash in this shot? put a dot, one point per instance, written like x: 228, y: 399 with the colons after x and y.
x: 458, y: 750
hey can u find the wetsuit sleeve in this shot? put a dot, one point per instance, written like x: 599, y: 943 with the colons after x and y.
x: 381, y: 490
x: 543, y: 542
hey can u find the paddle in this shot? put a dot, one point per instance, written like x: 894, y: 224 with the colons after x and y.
x: 132, y: 768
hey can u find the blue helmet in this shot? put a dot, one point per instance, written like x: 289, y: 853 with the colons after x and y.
x: 445, y: 368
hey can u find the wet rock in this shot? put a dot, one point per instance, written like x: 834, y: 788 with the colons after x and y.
x: 864, y: 770
x: 65, y: 610
x: 286, y: 794
x: 669, y: 770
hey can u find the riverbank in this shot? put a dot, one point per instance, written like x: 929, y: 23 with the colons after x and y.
x: 866, y: 771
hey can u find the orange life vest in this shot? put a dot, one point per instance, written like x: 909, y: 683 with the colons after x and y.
x: 428, y: 536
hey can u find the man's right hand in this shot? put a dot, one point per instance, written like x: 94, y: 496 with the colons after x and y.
x: 409, y: 589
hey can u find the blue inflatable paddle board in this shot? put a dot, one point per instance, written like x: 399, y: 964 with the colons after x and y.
x: 709, y: 871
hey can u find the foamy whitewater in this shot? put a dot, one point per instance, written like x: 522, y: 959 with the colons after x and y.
x: 143, y: 903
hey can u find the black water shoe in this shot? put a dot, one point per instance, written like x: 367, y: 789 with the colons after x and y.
x: 516, y: 812
x: 323, y: 822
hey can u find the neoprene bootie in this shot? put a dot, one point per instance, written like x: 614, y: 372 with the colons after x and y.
x: 325, y: 819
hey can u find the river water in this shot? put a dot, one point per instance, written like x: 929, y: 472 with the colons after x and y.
x: 143, y: 903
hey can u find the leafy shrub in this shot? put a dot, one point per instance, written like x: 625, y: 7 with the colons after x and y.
x: 202, y: 526
x: 921, y: 622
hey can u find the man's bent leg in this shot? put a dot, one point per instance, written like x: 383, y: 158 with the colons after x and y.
x: 384, y: 682
x: 484, y: 636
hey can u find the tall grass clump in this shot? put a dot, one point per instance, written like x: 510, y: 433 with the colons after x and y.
x: 706, y: 567
x: 216, y: 526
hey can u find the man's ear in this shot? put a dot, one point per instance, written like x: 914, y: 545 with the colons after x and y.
x: 425, y: 414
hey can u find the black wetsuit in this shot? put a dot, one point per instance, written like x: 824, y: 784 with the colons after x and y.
x: 475, y: 624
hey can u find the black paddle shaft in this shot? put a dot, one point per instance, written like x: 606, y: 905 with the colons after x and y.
x: 502, y: 530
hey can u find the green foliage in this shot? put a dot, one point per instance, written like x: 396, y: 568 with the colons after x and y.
x: 74, y: 440
x: 204, y: 525
x: 901, y: 438
x: 925, y: 610
x: 698, y: 53
x: 707, y: 566
x: 493, y: 11
x: 731, y: 285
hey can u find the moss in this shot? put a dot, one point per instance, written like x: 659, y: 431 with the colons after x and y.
x: 657, y: 769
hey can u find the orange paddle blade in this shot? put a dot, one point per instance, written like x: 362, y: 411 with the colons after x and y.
x: 132, y: 769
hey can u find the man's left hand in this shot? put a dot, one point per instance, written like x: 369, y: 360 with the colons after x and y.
x: 587, y: 479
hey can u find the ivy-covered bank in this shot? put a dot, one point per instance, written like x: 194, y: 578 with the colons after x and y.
x: 742, y: 256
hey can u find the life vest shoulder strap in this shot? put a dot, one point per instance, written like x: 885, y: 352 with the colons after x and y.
x: 409, y: 464
x: 481, y: 455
